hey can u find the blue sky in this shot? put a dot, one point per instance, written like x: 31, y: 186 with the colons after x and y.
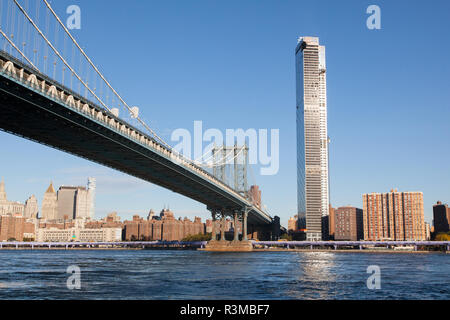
x: 230, y: 64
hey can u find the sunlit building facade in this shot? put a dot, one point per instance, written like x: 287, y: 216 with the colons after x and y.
x: 6, y: 206
x: 312, y: 137
x: 50, y: 204
x: 394, y: 215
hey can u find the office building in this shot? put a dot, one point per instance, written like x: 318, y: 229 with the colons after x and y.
x: 441, y: 217
x: 6, y: 206
x: 76, y: 202
x: 31, y: 208
x: 92, y: 185
x: 50, y: 204
x: 66, y: 202
x: 312, y: 136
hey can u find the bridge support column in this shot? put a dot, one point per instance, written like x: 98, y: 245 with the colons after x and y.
x: 213, y: 225
x: 222, y: 226
x: 235, y: 245
x: 244, y: 225
x: 236, y: 233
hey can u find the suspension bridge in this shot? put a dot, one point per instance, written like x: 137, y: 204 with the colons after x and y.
x: 52, y: 93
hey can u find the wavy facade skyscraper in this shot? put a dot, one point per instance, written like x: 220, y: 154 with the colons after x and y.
x: 312, y: 137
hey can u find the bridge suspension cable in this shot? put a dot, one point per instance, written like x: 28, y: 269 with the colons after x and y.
x: 33, y: 34
x: 18, y: 50
x: 101, y: 75
x: 58, y: 54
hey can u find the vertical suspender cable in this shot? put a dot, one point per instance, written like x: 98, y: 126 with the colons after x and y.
x: 101, y: 76
x: 57, y: 53
x: 15, y: 47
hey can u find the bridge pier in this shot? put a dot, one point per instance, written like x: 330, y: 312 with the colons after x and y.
x: 214, y: 213
x: 244, y: 225
x: 213, y: 226
x: 231, y: 246
x: 236, y: 220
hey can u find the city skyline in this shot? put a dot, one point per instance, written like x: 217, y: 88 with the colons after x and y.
x: 38, y: 208
x: 346, y: 186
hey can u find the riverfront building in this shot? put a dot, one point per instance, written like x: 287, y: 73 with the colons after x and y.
x: 15, y: 227
x: 312, y: 137
x: 78, y: 233
x: 395, y: 216
x: 165, y: 227
x: 441, y: 217
x: 331, y: 222
x: 348, y: 224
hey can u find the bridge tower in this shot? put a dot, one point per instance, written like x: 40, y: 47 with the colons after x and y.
x: 230, y: 165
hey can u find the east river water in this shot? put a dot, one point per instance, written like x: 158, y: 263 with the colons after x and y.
x: 165, y: 274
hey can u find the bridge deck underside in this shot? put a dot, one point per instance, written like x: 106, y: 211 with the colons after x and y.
x: 28, y: 114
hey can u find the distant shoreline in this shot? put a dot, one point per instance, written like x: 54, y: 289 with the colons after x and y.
x: 254, y: 250
x: 348, y: 251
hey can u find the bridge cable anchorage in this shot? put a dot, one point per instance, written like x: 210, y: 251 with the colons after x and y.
x: 18, y: 50
x: 58, y: 54
x: 102, y: 77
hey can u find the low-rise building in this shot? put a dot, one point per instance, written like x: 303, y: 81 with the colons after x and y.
x: 165, y: 227
x: 78, y: 232
x: 15, y: 227
x: 79, y: 235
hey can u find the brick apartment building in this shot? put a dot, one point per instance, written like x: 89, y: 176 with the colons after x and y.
x: 165, y: 228
x: 348, y: 224
x: 15, y: 226
x: 394, y: 216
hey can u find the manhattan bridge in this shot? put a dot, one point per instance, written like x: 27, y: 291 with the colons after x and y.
x: 51, y: 92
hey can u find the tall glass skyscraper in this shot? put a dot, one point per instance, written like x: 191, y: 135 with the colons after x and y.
x: 312, y: 137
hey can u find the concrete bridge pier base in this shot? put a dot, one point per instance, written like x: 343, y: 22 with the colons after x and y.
x: 236, y: 245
